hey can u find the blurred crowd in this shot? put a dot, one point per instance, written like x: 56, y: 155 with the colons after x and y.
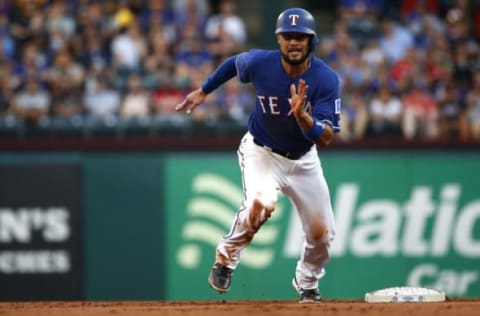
x: 70, y: 64
x: 410, y: 69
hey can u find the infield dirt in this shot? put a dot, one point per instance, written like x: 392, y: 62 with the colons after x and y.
x: 234, y: 308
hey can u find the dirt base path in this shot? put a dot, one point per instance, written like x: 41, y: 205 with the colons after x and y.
x: 234, y: 308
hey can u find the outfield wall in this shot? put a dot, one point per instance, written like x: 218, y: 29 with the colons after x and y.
x: 143, y: 225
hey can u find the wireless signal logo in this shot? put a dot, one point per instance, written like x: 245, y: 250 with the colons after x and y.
x: 210, y: 215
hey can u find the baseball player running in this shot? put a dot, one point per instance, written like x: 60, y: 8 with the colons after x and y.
x: 297, y: 107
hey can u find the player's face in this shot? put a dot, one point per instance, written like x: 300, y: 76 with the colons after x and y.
x: 294, y: 47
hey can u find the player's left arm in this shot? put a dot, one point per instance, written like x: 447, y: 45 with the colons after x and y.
x: 222, y: 74
x: 314, y: 129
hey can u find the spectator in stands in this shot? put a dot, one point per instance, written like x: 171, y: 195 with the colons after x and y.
x: 225, y: 31
x: 418, y: 8
x: 152, y: 75
x: 338, y: 44
x: 437, y: 64
x: 438, y: 67
x: 381, y: 77
x: 59, y: 18
x: 413, y: 65
x: 385, y: 114
x: 162, y: 100
x: 158, y: 16
x: 128, y: 48
x: 232, y: 100
x: 60, y: 26
x: 476, y: 19
x: 459, y: 22
x: 65, y: 79
x: 101, y: 102
x: 89, y: 15
x: 27, y: 21
x: 395, y: 39
x: 354, y: 115
x: 417, y: 17
x: 420, y: 116
x: 372, y: 55
x: 160, y: 57
x: 473, y: 108
x: 185, y: 7
x: 193, y: 60
x: 466, y: 59
x: 32, y: 102
x: 123, y: 16
x: 361, y: 17
x: 7, y: 44
x: 94, y: 49
x: 136, y: 103
x: 193, y: 13
x: 344, y: 56
x: 6, y: 97
x: 351, y: 66
x: 360, y: 9
x: 32, y: 63
x: 452, y: 115
x: 404, y: 67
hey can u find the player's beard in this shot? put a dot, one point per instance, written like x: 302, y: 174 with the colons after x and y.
x: 294, y: 62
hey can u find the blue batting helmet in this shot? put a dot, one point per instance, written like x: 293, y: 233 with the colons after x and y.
x: 297, y: 20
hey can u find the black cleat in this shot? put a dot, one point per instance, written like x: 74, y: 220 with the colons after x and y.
x: 220, y: 278
x: 306, y: 295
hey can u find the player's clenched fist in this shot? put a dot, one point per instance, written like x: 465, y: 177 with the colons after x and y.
x: 191, y: 101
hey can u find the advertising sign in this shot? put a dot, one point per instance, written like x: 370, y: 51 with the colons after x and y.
x: 40, y: 232
x: 402, y: 220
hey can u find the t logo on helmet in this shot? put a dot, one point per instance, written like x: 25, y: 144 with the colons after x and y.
x: 293, y: 19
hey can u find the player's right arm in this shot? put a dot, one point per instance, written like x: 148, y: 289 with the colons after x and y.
x: 222, y: 74
x: 322, y: 134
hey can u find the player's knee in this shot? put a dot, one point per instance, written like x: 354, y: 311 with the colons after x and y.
x: 266, y: 200
x: 267, y: 204
x: 259, y: 213
x: 318, y: 232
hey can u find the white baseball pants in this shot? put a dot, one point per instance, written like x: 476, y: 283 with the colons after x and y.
x: 264, y: 175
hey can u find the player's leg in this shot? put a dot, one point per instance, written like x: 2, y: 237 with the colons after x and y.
x: 260, y: 194
x: 308, y: 191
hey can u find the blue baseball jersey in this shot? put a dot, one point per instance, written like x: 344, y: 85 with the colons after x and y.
x: 272, y: 121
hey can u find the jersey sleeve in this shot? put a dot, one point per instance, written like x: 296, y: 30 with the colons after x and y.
x: 222, y: 74
x: 328, y: 106
x: 243, y: 64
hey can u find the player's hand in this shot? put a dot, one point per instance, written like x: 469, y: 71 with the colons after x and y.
x: 299, y: 96
x: 191, y: 101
